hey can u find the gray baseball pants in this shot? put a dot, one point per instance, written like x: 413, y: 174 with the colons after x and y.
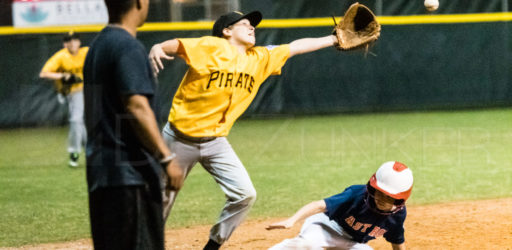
x: 77, y: 134
x: 220, y: 160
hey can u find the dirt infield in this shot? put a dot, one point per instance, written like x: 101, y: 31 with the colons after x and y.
x: 457, y: 225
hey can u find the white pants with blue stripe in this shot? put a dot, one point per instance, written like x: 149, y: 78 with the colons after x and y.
x: 319, y: 232
x: 220, y: 160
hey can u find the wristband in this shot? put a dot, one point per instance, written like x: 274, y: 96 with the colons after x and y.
x: 167, y: 159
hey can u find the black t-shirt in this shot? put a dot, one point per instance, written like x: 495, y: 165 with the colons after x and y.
x: 116, y: 66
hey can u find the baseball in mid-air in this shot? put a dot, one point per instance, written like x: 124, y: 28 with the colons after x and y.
x: 431, y: 5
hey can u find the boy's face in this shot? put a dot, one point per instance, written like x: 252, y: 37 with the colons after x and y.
x: 384, y: 202
x: 72, y: 45
x: 242, y: 32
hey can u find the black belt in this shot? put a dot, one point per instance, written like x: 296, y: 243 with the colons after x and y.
x: 190, y: 138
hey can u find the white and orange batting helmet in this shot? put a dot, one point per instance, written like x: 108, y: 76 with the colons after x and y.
x: 395, y: 180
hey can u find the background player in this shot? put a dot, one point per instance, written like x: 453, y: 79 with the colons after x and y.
x: 360, y: 213
x: 66, y: 69
x: 125, y: 150
x: 224, y: 75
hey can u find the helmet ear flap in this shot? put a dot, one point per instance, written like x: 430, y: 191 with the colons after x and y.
x: 370, y: 189
x: 370, y: 198
x: 370, y: 201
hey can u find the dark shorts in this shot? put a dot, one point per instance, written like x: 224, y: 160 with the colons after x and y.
x: 126, y: 217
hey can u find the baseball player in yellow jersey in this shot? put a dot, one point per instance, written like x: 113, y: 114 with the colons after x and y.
x: 224, y: 75
x: 66, y: 69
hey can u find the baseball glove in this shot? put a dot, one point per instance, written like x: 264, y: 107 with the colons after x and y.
x: 64, y: 89
x: 357, y: 29
x: 71, y: 79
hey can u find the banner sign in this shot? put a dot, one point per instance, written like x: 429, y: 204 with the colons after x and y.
x: 30, y: 13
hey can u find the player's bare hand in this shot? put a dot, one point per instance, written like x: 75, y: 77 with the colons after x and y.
x: 65, y: 76
x: 156, y: 54
x: 175, y: 174
x: 280, y: 225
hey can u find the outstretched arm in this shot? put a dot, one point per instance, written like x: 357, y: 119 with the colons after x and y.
x: 165, y: 50
x: 306, y: 45
x: 54, y: 75
x: 306, y: 211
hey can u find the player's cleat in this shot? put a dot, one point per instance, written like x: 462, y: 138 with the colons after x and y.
x: 73, y: 160
x: 211, y: 245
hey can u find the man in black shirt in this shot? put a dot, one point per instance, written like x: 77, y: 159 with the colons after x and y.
x: 125, y: 151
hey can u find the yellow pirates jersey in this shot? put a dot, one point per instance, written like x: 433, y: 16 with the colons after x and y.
x: 63, y: 62
x: 220, y: 83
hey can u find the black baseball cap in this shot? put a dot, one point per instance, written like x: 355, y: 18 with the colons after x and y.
x: 70, y: 36
x: 225, y: 20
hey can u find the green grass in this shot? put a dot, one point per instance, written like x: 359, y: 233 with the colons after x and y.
x: 465, y: 155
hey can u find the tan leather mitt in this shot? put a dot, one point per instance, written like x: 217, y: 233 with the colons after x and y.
x: 357, y: 29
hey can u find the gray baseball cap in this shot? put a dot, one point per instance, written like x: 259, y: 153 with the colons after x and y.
x: 230, y: 18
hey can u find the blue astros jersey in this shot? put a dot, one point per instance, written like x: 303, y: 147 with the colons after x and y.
x: 351, y: 212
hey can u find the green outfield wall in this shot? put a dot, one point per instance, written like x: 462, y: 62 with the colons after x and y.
x: 421, y: 62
